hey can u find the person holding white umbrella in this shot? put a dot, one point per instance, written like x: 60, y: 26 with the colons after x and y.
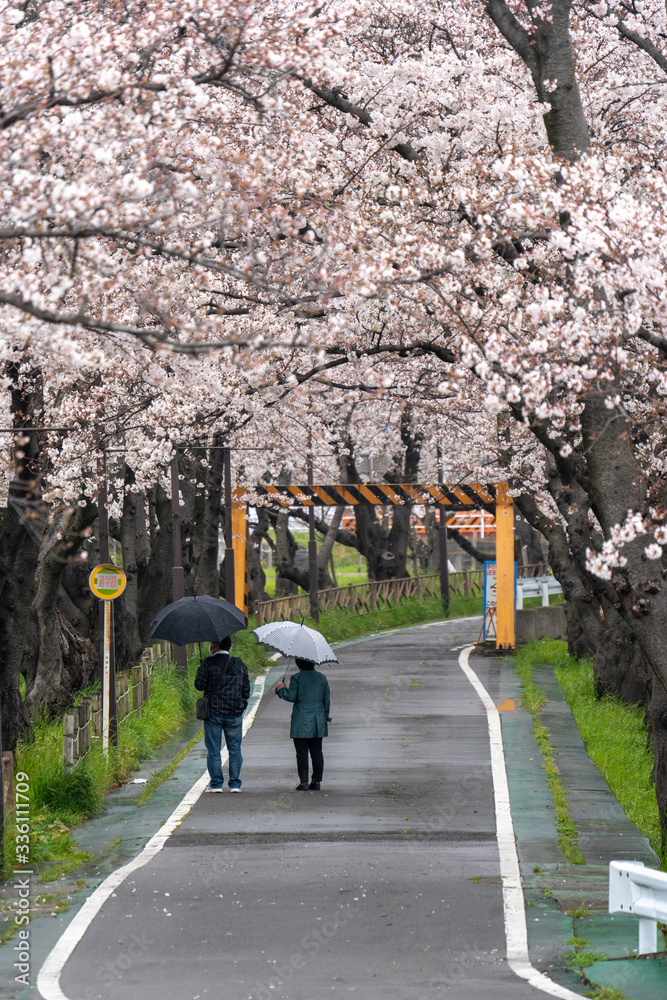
x: 308, y: 691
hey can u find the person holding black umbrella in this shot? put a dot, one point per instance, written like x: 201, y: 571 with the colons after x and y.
x: 225, y: 680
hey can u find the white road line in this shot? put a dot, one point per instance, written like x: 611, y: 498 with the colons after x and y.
x: 516, y: 935
x: 48, y: 980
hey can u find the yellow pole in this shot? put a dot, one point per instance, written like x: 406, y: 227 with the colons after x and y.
x: 240, y: 544
x: 505, y: 635
x: 106, y: 676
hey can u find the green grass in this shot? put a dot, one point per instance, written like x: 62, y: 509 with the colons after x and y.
x: 616, y: 741
x: 337, y: 625
x: 605, y: 993
x: 580, y: 957
x: 581, y: 911
x: 255, y: 657
x: 60, y: 801
x: 533, y: 700
x: 159, y: 777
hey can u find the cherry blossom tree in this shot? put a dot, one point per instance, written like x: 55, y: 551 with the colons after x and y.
x: 211, y: 211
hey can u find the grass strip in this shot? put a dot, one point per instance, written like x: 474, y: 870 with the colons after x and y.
x: 616, y: 740
x: 337, y: 625
x: 533, y: 700
x: 61, y: 800
x: 605, y: 993
x: 159, y: 777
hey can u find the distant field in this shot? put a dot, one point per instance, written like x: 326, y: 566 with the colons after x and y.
x: 346, y: 565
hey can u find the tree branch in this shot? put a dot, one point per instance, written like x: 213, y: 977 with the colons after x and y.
x: 152, y: 338
x: 512, y: 32
x: 336, y: 100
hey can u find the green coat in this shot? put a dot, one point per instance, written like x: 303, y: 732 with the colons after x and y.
x: 309, y: 690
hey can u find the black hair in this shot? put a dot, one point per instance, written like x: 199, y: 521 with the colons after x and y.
x: 304, y: 664
x: 226, y: 643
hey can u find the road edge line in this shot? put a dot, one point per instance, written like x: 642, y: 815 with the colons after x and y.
x: 48, y: 977
x: 514, y: 910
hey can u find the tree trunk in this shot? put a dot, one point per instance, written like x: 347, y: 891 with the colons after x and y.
x: 256, y: 574
x: 18, y: 561
x: 619, y: 666
x: 155, y: 580
x: 386, y: 552
x: 59, y: 669
x: 657, y: 719
x: 21, y: 528
x: 528, y: 542
x: 325, y: 553
x: 466, y: 545
x: 286, y: 547
x: 585, y: 626
x: 546, y: 50
x: 126, y: 622
x: 616, y: 487
x: 301, y: 576
x: 206, y: 527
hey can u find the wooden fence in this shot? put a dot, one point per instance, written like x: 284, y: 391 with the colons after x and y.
x: 83, y: 722
x: 361, y: 598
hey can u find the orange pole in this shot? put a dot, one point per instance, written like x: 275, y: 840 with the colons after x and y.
x: 505, y: 611
x: 240, y: 545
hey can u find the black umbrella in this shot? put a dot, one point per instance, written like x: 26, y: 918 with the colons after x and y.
x: 197, y: 619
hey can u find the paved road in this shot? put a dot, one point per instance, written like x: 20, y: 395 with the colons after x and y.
x: 384, y: 884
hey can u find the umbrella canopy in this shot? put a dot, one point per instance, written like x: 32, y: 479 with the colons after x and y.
x: 197, y: 619
x: 291, y: 639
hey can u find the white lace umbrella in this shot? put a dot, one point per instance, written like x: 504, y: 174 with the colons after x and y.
x: 291, y: 639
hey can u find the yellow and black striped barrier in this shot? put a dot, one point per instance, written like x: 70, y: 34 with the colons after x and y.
x: 490, y: 496
x: 455, y: 497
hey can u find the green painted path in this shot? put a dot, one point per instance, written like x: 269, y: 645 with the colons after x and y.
x: 553, y: 886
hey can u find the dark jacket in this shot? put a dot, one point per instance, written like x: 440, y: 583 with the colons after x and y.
x: 309, y: 690
x: 229, y: 699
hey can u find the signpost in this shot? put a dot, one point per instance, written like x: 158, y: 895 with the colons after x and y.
x: 490, y: 599
x: 489, y: 629
x: 107, y: 582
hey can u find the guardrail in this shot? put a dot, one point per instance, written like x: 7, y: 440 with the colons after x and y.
x: 538, y: 586
x: 83, y: 722
x: 375, y: 595
x: 639, y: 892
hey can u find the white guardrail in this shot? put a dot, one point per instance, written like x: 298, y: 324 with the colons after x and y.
x: 639, y: 892
x: 536, y: 586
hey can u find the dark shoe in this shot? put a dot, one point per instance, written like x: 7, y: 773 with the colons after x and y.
x: 303, y: 787
x: 314, y: 786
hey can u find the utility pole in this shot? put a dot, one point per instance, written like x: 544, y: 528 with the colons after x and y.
x: 312, y: 544
x: 2, y: 799
x: 177, y: 579
x: 442, y: 545
x: 106, y: 612
x: 229, y: 537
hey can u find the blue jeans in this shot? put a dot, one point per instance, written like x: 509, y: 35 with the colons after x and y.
x: 233, y: 730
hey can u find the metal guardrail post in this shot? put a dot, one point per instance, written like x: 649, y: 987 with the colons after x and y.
x: 641, y: 892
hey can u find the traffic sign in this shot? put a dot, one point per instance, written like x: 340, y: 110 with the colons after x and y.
x: 107, y: 582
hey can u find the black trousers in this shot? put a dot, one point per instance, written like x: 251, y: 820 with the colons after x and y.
x: 303, y: 747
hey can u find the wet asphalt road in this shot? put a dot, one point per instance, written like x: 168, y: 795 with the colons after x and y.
x: 382, y: 885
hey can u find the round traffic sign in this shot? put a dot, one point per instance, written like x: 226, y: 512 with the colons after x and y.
x: 107, y: 582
